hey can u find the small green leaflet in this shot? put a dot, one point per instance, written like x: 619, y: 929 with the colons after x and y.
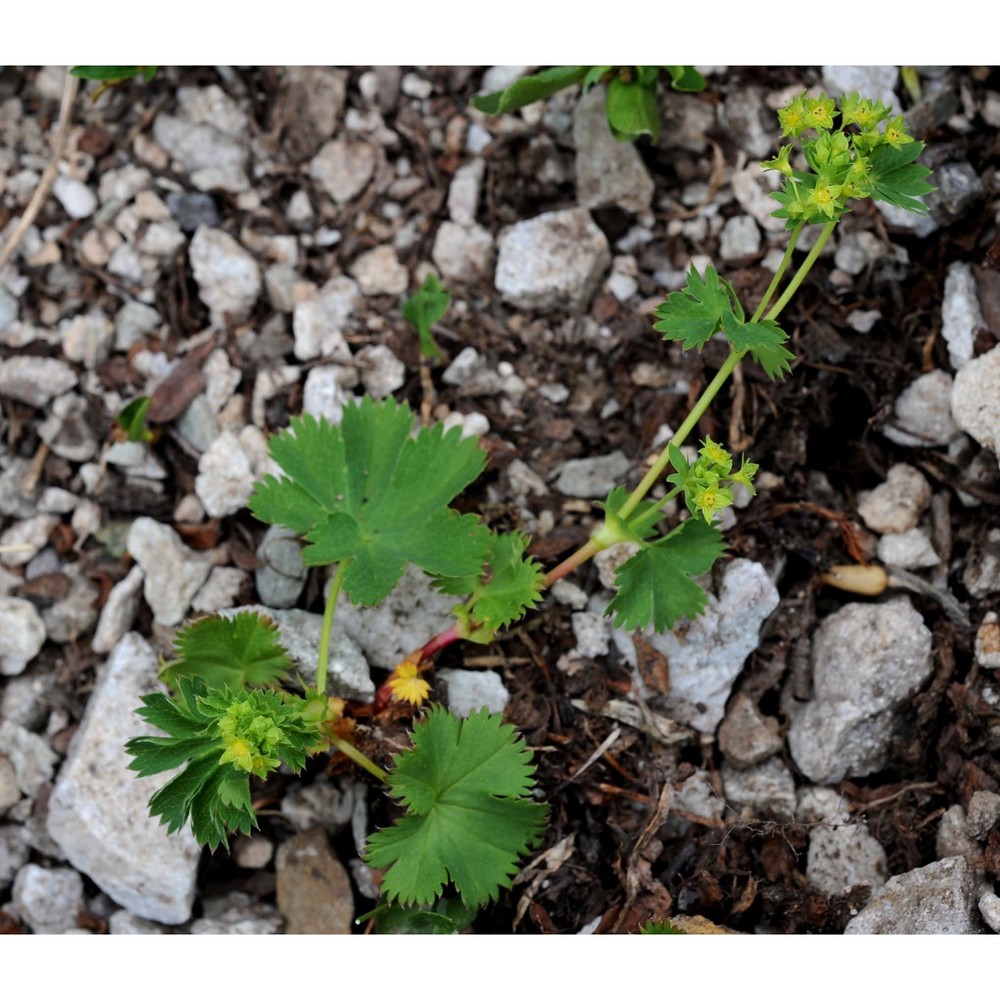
x: 464, y: 785
x: 896, y: 179
x: 508, y: 585
x: 706, y: 306
x: 132, y: 419
x: 594, y: 76
x: 529, y: 89
x: 447, y: 915
x: 632, y: 108
x: 655, y: 585
x: 368, y: 492
x: 661, y: 927
x: 238, y: 652
x: 686, y: 78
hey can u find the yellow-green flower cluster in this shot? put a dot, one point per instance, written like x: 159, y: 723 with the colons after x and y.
x: 841, y: 160
x: 707, y: 483
x: 254, y: 732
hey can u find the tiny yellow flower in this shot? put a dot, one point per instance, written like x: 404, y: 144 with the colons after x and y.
x: 406, y: 685
x: 793, y: 119
x: 716, y: 454
x: 711, y: 499
x: 895, y: 133
x: 824, y: 196
x: 819, y: 111
x: 238, y: 752
x: 745, y: 474
x: 780, y: 162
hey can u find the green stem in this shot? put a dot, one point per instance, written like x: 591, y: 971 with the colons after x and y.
x: 803, y: 270
x: 349, y: 750
x: 654, y: 513
x: 779, y: 274
x: 711, y: 391
x: 324, y: 636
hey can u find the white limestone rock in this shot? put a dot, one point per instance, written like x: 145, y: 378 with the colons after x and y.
x: 707, y: 654
x: 228, y: 277
x: 98, y: 810
x: 608, y: 172
x: 319, y: 323
x: 471, y: 690
x: 868, y: 660
x: 961, y: 313
x: 343, y: 168
x: 22, y: 634
x: 975, y: 399
x: 896, y: 504
x: 553, y: 261
x: 172, y: 572
x: 940, y: 898
x: 922, y: 413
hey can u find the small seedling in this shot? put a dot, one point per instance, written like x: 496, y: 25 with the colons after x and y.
x: 132, y: 420
x: 374, y: 493
x: 423, y: 310
x: 632, y: 103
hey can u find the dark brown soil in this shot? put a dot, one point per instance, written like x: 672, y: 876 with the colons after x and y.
x: 619, y: 860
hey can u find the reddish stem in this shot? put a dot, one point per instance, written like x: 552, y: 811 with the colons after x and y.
x: 439, y: 642
x: 567, y: 566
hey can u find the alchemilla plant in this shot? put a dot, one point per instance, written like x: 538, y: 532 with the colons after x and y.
x: 375, y: 493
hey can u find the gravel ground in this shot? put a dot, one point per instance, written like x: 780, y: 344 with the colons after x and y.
x: 237, y: 244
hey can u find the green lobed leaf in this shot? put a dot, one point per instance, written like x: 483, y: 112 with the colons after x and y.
x: 508, y: 585
x: 423, y: 310
x: 896, y: 179
x: 447, y: 915
x: 368, y: 492
x: 463, y: 784
x: 764, y: 340
x: 238, y: 652
x: 655, y: 585
x: 529, y: 89
x: 694, y: 313
x: 632, y: 109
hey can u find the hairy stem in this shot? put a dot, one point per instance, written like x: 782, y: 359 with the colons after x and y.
x: 327, y: 629
x: 349, y: 750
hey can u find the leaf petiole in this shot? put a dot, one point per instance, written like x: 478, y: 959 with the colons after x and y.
x: 327, y: 627
x: 349, y: 750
